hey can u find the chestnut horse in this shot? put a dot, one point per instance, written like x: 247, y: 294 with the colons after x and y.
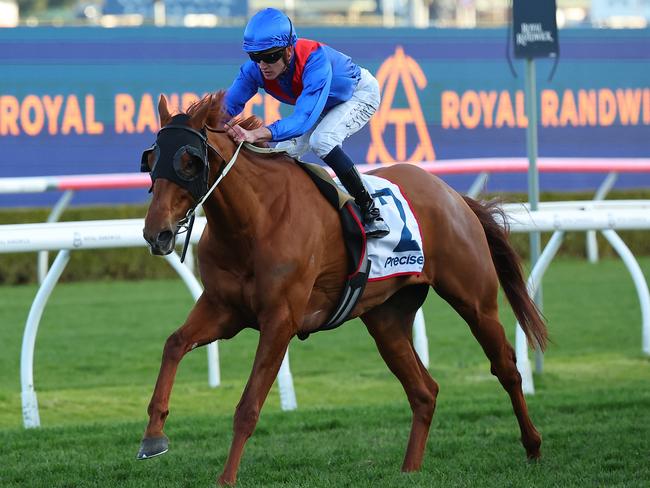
x: 272, y: 258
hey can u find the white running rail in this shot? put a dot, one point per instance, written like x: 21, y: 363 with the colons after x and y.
x: 561, y: 217
x: 65, y: 237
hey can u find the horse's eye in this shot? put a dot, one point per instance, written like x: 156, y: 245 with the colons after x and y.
x: 190, y: 166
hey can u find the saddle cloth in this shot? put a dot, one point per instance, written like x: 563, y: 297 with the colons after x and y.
x: 400, y: 252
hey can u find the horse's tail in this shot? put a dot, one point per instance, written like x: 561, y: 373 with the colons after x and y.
x: 508, y: 266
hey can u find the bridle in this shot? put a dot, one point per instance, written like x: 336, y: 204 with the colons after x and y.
x: 187, y: 222
x: 195, y: 143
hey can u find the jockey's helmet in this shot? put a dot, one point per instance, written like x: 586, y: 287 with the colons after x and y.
x: 268, y: 29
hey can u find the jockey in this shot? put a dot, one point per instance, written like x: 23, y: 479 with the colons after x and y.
x: 333, y: 99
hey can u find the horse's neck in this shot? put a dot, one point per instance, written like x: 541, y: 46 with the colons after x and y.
x: 235, y: 209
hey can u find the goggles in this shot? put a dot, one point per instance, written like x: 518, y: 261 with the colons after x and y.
x: 269, y: 57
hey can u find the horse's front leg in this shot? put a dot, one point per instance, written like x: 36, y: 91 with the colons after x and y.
x: 206, y: 323
x: 275, y: 333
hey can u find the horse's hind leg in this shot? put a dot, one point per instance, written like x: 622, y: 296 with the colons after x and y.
x: 205, y: 324
x: 390, y: 325
x: 476, y: 301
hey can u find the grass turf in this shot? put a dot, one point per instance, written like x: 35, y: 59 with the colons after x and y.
x: 98, y: 352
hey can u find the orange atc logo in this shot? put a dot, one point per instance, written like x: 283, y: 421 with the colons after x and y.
x: 403, y: 69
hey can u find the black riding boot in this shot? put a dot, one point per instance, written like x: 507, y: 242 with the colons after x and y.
x: 373, y: 224
x: 344, y: 168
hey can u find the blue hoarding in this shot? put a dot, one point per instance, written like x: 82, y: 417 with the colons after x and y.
x: 82, y: 100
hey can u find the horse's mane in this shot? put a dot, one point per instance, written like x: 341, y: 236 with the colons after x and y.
x: 217, y: 114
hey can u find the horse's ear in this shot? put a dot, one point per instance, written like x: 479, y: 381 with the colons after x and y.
x: 163, y: 111
x: 200, y: 116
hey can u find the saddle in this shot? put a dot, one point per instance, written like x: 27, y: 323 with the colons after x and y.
x: 354, y: 238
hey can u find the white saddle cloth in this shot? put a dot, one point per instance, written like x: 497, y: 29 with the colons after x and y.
x: 400, y: 252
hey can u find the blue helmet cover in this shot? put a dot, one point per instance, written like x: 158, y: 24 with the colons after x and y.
x: 268, y: 29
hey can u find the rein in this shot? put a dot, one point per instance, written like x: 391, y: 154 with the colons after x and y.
x: 187, y: 223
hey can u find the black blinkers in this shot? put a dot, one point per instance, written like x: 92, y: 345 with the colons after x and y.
x: 180, y: 156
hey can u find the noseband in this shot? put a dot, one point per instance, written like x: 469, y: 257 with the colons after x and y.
x: 173, y: 142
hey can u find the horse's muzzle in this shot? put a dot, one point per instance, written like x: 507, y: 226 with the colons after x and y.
x: 162, y: 243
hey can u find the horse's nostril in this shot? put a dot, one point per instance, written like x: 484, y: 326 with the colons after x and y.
x: 164, y: 237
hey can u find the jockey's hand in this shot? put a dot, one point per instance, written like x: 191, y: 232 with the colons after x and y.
x: 238, y: 134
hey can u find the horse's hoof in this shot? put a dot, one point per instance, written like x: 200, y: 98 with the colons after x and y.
x: 223, y: 481
x: 152, y: 447
x: 534, y: 457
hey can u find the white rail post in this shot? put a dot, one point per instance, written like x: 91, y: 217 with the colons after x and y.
x: 601, y: 193
x: 285, y: 385
x: 55, y: 214
x: 534, y: 280
x: 31, y: 417
x: 214, y: 372
x: 639, y: 283
x: 420, y: 341
x: 478, y: 185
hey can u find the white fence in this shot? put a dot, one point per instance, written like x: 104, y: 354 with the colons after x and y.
x: 482, y: 167
x: 71, y: 236
x: 560, y: 217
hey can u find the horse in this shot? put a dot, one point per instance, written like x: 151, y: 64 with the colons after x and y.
x: 272, y: 258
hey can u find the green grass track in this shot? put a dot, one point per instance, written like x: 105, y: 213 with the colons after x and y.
x: 98, y: 352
